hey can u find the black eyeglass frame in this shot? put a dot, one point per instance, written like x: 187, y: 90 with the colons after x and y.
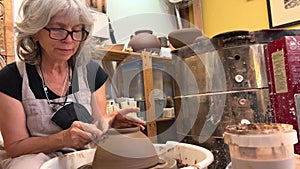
x: 85, y: 34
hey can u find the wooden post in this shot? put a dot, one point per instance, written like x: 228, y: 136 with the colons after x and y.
x: 8, y: 21
x: 197, y: 11
x: 149, y: 98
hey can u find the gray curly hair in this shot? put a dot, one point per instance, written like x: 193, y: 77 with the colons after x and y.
x: 34, y: 15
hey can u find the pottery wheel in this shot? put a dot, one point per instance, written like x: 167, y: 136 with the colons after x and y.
x: 166, y: 163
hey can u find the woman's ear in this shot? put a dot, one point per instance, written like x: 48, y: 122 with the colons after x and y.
x: 34, y: 37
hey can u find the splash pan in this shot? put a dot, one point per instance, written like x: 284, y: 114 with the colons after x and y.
x: 186, y: 156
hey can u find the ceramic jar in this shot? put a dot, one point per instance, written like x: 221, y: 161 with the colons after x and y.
x: 144, y: 40
x: 125, y: 147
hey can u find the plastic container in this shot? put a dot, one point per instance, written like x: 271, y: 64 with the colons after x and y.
x: 264, y: 146
x: 191, y: 155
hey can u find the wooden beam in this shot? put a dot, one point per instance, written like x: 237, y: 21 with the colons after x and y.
x: 149, y: 98
x: 9, y: 31
x: 197, y: 11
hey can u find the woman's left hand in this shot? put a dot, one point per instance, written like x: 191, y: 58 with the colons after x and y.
x: 119, y: 119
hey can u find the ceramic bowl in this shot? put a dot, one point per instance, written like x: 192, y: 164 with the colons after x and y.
x: 118, y: 47
x: 182, y: 37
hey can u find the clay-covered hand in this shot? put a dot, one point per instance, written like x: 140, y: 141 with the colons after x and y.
x: 81, y: 134
x: 119, y: 119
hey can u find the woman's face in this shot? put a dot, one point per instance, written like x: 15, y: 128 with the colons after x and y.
x: 58, y: 50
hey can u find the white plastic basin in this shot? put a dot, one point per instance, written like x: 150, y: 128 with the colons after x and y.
x: 192, y: 155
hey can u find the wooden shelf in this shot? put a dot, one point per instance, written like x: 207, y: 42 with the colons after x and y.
x: 146, y: 58
x: 165, y: 119
x: 118, y: 56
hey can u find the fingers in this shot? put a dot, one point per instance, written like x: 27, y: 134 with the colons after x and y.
x: 75, y: 137
x: 104, y: 126
x: 142, y: 127
x: 77, y: 130
x: 128, y: 110
x: 136, y: 120
x: 92, y: 130
x: 119, y: 118
x: 128, y: 125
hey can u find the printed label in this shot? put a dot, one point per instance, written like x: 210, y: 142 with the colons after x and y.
x: 279, y: 72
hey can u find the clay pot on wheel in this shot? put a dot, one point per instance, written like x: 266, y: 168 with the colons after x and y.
x: 125, y: 147
x: 144, y: 40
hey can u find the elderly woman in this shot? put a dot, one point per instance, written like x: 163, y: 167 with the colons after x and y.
x: 54, y: 97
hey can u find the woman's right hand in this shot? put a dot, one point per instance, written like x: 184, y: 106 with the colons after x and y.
x: 81, y: 134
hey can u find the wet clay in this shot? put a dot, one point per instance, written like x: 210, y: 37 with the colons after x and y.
x: 257, y: 128
x: 128, y: 148
x: 164, y: 163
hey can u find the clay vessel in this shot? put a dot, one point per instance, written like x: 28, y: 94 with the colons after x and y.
x: 144, y: 40
x: 125, y: 148
x: 182, y: 37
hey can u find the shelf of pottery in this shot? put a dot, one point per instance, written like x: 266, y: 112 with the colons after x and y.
x: 6, y: 33
x: 144, y: 80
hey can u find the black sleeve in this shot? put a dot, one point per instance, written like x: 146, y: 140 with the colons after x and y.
x: 11, y: 81
x: 96, y: 76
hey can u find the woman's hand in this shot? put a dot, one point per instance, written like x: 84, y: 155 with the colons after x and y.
x: 81, y: 134
x: 119, y: 119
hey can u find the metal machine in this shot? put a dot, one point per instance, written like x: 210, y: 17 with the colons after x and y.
x: 221, y: 81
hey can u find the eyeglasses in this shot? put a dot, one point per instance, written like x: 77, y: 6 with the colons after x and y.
x: 62, y: 34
